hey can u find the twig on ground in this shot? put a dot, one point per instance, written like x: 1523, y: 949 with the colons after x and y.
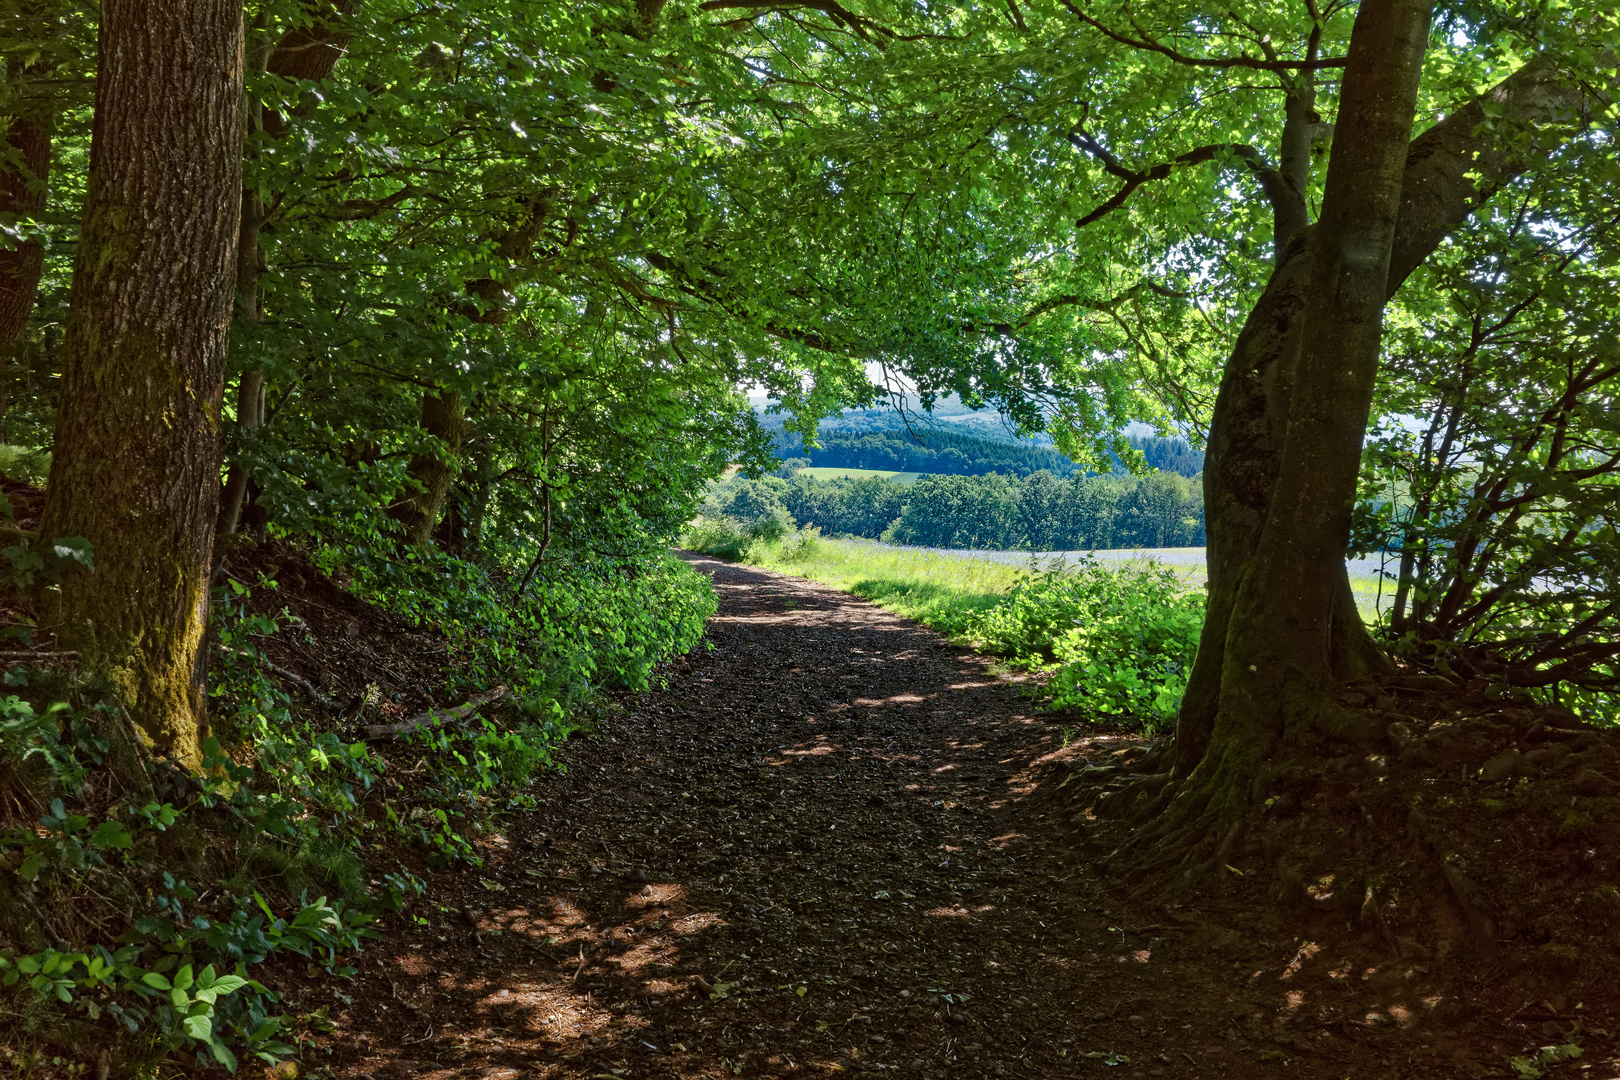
x: 434, y: 717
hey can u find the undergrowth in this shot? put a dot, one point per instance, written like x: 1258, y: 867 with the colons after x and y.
x: 1118, y: 639
x: 136, y: 953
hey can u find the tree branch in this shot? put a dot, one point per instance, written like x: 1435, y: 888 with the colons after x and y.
x: 1241, y: 61
x: 1277, y: 189
x: 861, y: 27
x: 1459, y: 163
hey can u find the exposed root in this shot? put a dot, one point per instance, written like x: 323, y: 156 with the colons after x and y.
x: 1221, y: 860
x: 1120, y: 801
x: 1507, y: 805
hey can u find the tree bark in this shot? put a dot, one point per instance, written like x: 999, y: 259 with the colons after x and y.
x: 1450, y: 170
x: 1285, y: 440
x: 433, y: 470
x: 1281, y: 646
x: 137, y: 450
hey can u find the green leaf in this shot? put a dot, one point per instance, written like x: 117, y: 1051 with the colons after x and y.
x: 76, y: 548
x: 111, y: 834
x: 228, y: 984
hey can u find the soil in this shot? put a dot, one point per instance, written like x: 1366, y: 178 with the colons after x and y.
x: 836, y: 843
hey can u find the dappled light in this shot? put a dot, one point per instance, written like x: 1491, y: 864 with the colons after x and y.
x: 410, y: 414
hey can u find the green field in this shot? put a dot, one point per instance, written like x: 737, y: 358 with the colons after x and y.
x: 821, y: 472
x: 938, y: 590
x: 943, y: 588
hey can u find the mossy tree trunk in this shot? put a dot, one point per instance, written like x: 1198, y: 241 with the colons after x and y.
x: 432, y: 470
x: 137, y: 449
x: 1281, y: 656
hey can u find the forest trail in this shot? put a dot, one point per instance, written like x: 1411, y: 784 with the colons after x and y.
x: 824, y: 849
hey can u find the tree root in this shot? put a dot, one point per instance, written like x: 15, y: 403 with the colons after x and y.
x: 1465, y: 892
x: 1117, y: 803
x: 1218, y: 862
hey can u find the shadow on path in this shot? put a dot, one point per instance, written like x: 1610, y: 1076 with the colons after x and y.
x: 811, y: 854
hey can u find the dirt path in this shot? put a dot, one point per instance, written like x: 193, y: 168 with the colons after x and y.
x: 821, y: 850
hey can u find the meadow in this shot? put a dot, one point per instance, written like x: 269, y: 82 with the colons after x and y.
x: 943, y: 587
x: 1114, y: 637
x: 829, y: 472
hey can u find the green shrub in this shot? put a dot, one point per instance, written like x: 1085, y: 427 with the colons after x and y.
x: 724, y: 538
x: 772, y: 525
x: 1118, y: 640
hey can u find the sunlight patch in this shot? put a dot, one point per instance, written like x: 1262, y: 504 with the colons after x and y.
x: 692, y: 924
x: 1306, y: 951
x: 657, y: 896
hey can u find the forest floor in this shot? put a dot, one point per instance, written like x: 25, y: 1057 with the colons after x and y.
x: 834, y: 844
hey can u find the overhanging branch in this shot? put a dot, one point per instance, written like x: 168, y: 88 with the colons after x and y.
x: 1147, y: 44
x: 1276, y: 188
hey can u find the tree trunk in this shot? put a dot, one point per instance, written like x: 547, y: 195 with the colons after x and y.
x: 1450, y: 170
x: 1280, y: 648
x: 433, y: 470
x: 137, y: 450
x: 1291, y: 414
x: 304, y: 52
x: 22, y: 195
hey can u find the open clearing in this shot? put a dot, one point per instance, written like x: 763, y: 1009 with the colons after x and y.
x: 827, y: 472
x: 1370, y: 587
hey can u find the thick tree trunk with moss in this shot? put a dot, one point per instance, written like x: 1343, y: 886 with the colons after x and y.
x: 137, y: 449
x: 432, y: 470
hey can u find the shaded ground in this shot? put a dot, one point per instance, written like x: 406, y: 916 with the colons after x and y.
x: 827, y: 847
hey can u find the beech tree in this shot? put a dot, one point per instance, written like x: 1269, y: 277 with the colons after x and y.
x: 1194, y: 192
x: 1282, y: 634
x: 137, y: 448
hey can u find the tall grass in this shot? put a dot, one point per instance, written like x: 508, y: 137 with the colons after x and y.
x: 944, y: 592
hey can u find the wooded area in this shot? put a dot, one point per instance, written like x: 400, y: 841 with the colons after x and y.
x: 1037, y: 513
x: 456, y: 302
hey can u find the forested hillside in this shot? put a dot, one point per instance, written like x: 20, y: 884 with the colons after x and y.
x: 1036, y: 513
x: 949, y: 453
x: 361, y: 362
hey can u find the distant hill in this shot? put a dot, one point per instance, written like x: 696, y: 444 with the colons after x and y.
x: 955, y: 441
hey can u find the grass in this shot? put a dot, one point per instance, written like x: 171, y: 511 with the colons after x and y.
x: 939, y: 591
x: 1188, y: 563
x: 943, y: 591
x: 827, y: 472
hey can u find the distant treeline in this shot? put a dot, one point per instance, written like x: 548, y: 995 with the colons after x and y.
x: 1039, y: 512
x: 950, y: 454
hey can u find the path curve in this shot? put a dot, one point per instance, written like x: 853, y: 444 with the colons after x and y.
x: 817, y: 851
